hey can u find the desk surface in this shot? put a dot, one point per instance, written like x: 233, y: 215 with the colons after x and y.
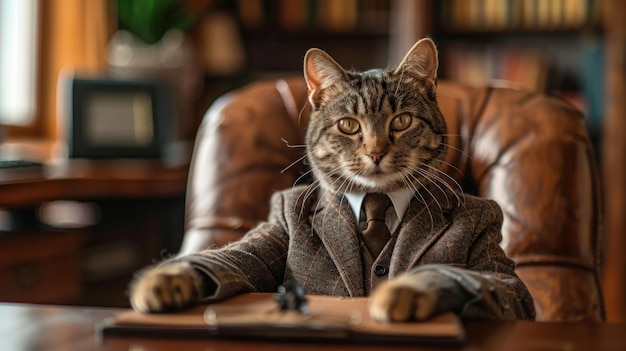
x: 77, y: 179
x: 50, y: 328
x: 80, y: 179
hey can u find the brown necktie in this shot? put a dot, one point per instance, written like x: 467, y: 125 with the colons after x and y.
x: 376, y: 234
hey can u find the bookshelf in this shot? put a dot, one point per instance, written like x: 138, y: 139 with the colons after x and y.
x: 549, y: 46
x: 273, y: 35
x: 518, y: 15
x: 573, y: 48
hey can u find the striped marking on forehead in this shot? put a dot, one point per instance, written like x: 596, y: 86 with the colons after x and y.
x: 370, y: 95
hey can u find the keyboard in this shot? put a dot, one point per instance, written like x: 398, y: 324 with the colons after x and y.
x: 13, y: 164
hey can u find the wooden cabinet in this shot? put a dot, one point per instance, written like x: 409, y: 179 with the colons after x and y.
x: 41, y: 267
x: 138, y: 211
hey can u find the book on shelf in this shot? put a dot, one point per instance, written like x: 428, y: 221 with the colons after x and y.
x: 329, y: 16
x: 533, y: 69
x: 294, y: 14
x: 495, y: 15
x: 509, y: 66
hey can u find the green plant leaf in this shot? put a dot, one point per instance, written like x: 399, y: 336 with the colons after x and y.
x: 151, y: 19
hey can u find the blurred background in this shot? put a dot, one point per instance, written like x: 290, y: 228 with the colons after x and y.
x: 203, y: 48
x: 208, y: 47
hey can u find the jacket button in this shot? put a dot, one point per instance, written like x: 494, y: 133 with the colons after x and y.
x: 380, y: 270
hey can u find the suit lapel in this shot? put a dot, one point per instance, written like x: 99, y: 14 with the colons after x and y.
x: 421, y: 227
x: 336, y: 226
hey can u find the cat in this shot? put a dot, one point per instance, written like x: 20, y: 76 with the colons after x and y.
x: 377, y: 131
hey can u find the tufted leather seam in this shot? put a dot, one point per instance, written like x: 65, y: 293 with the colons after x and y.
x: 467, y: 123
x: 513, y: 145
x: 287, y: 96
x: 474, y: 122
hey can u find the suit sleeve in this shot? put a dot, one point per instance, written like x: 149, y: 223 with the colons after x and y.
x: 493, y: 289
x: 255, y: 263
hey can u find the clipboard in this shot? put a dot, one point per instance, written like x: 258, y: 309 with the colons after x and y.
x: 258, y: 316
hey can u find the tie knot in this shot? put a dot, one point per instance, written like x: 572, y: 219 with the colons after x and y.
x: 375, y: 206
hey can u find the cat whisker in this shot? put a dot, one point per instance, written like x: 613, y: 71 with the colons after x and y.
x: 301, y: 176
x: 434, y: 179
x: 399, y: 81
x: 432, y: 221
x: 407, y: 172
x: 336, y: 189
x: 446, y: 175
x: 293, y: 163
x: 304, y: 195
x: 451, y: 166
x: 316, y: 186
x: 302, y: 111
x: 349, y: 187
x: 290, y: 145
x: 407, y: 182
x: 462, y: 193
x: 348, y: 180
x: 461, y: 151
x: 452, y: 135
x: 313, y: 184
x: 322, y: 195
x: 317, y: 183
x: 460, y: 189
x: 428, y: 176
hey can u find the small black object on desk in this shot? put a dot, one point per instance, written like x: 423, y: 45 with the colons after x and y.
x: 291, y: 297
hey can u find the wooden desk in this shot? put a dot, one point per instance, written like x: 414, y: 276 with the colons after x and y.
x: 50, y: 328
x: 89, y: 179
x: 140, y: 210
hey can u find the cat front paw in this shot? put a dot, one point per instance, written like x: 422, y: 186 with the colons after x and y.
x: 410, y: 296
x: 172, y: 286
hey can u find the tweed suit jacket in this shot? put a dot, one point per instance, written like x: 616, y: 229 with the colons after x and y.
x: 313, y: 239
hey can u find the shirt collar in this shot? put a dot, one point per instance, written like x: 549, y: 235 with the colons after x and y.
x: 400, y: 199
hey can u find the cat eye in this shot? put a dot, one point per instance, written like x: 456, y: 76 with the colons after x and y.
x: 348, y: 125
x: 401, y: 122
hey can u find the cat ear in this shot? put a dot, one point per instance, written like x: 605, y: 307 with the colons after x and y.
x: 422, y: 60
x: 320, y: 72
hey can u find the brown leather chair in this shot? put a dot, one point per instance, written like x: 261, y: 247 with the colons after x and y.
x: 529, y: 152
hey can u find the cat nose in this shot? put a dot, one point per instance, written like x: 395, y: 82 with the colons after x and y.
x: 377, y: 156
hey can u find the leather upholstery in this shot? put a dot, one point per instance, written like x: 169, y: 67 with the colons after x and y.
x: 529, y: 152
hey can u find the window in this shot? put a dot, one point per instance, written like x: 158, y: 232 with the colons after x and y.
x: 18, y: 61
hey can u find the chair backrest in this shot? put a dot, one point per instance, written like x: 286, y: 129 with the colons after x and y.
x: 529, y: 152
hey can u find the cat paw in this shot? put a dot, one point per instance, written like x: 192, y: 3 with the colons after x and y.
x: 172, y: 286
x: 410, y: 296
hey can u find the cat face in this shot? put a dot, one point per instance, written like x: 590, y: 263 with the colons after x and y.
x: 375, y: 131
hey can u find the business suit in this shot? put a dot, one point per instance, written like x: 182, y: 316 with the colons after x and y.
x: 317, y: 243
